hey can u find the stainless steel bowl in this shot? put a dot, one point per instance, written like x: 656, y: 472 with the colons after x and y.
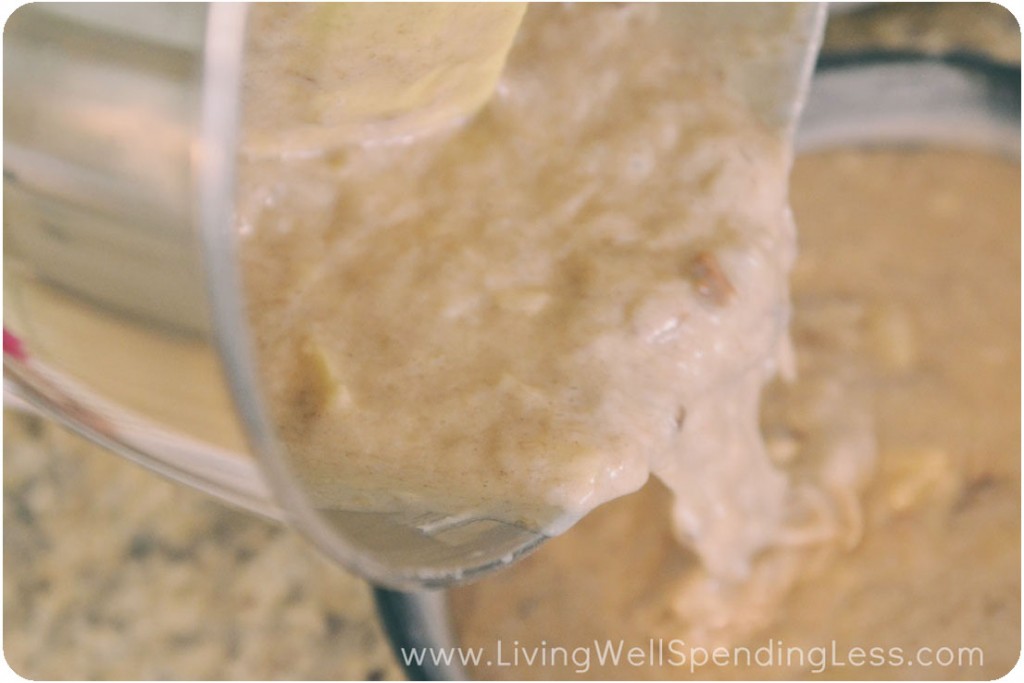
x: 864, y: 100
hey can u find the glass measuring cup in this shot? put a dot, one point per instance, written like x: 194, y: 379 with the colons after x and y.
x: 123, y: 314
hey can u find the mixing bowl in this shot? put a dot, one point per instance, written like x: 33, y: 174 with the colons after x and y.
x: 882, y: 99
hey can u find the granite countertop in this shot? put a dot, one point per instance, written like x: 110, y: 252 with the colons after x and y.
x: 111, y: 572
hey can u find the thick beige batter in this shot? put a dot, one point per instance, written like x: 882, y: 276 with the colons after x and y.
x: 907, y: 300
x: 525, y: 316
x: 587, y: 283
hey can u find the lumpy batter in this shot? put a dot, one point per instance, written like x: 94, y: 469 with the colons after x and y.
x: 907, y: 301
x: 528, y: 314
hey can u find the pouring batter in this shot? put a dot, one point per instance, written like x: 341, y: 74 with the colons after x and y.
x: 525, y: 316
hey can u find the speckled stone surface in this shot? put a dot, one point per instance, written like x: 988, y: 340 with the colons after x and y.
x: 113, y: 573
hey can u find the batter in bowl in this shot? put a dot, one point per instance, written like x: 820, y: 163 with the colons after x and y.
x: 907, y: 301
x: 524, y: 316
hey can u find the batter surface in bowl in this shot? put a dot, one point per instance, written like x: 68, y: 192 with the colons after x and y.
x: 528, y: 314
x: 906, y: 303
